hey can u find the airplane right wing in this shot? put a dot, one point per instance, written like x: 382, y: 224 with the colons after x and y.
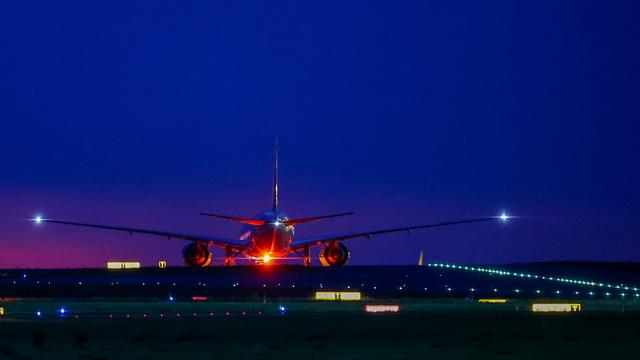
x: 212, y: 241
x: 319, y: 240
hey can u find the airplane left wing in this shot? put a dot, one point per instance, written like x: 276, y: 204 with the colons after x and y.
x: 212, y: 241
x: 314, y: 241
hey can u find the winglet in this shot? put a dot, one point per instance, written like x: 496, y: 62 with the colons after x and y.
x: 274, y: 204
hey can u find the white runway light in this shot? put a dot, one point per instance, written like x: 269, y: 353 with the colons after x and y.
x: 504, y: 217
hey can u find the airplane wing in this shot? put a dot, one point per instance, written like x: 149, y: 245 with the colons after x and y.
x: 212, y: 241
x: 314, y: 241
x: 315, y: 218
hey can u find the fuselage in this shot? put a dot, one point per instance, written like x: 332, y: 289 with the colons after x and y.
x: 271, y: 240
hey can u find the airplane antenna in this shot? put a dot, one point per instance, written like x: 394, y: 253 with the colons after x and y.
x: 274, y: 205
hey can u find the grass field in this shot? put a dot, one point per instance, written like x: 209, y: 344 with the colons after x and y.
x: 311, y: 330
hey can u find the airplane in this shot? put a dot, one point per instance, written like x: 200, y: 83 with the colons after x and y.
x: 270, y: 235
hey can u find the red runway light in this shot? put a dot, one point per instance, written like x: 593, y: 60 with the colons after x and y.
x: 199, y: 298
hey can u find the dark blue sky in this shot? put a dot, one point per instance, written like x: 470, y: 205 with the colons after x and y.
x: 146, y: 113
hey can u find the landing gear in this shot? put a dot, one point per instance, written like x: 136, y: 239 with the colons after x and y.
x: 307, y: 257
x: 229, y: 259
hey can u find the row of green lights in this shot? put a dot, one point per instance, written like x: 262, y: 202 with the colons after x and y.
x: 557, y: 292
x: 532, y: 276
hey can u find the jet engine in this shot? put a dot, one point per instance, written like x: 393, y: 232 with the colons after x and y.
x: 196, y: 254
x: 334, y: 254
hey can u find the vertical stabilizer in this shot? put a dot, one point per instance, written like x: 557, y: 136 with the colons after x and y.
x: 274, y: 205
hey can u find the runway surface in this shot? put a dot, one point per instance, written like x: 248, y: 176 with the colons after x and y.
x: 538, y: 280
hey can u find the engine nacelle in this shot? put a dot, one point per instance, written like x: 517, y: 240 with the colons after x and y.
x: 197, y: 254
x: 334, y: 254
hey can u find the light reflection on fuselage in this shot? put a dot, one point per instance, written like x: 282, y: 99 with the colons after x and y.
x: 273, y: 238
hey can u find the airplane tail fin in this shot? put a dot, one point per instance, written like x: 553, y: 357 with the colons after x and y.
x: 274, y: 204
x: 305, y: 220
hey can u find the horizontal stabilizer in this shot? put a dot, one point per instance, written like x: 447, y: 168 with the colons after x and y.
x: 254, y: 222
x: 305, y: 220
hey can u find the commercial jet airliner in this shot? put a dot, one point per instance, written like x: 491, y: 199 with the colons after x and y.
x: 270, y: 236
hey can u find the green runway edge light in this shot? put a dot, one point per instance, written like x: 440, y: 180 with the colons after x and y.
x: 563, y: 280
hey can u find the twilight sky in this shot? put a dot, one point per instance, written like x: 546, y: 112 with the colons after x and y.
x: 144, y: 113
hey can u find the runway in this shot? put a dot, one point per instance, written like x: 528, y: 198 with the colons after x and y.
x: 434, y: 280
